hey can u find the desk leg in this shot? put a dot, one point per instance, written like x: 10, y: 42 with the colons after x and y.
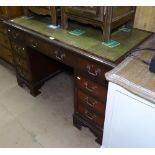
x: 34, y: 91
x: 79, y: 122
x: 19, y: 81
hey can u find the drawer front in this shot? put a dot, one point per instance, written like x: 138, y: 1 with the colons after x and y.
x: 19, y: 50
x: 92, y: 69
x: 51, y: 50
x: 89, y: 101
x: 63, y: 55
x: 92, y: 88
x: 35, y: 42
x: 91, y: 116
x: 4, y: 40
x: 24, y: 73
x: 6, y: 54
x: 15, y: 35
x: 21, y: 63
x: 2, y: 28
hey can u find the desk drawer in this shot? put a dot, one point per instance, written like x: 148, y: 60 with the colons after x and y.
x: 91, y: 116
x: 92, y: 103
x: 92, y: 69
x: 15, y: 35
x: 4, y: 40
x: 62, y: 55
x: 35, y: 43
x: 51, y: 50
x: 92, y: 88
x: 19, y: 50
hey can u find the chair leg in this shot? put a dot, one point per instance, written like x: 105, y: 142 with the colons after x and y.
x: 27, y: 12
x: 130, y: 24
x: 53, y: 20
x: 106, y: 27
x: 64, y: 19
x: 53, y: 15
x: 106, y: 33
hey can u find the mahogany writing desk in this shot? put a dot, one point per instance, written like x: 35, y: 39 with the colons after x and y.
x: 39, y: 53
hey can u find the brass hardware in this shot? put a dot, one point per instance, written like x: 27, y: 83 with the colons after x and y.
x: 92, y: 104
x: 59, y: 57
x: 34, y: 44
x: 97, y: 71
x: 89, y: 89
x: 90, y: 115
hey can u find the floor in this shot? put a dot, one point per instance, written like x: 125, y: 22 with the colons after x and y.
x: 44, y: 121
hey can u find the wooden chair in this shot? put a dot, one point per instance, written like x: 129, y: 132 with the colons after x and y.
x: 105, y: 17
x: 44, y: 10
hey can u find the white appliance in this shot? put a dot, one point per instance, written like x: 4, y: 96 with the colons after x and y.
x: 129, y: 120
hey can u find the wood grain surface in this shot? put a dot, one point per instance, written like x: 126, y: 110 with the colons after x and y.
x: 145, y: 18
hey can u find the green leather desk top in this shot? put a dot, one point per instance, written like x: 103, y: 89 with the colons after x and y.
x: 90, y: 41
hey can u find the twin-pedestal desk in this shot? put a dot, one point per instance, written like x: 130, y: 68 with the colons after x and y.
x: 41, y: 52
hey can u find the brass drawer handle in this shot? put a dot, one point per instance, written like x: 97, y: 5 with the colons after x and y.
x: 89, y: 89
x: 97, y: 71
x: 92, y: 104
x: 34, y: 44
x: 59, y: 57
x: 90, y: 115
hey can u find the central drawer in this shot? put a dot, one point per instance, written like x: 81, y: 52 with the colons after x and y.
x: 35, y: 43
x: 50, y: 49
x: 63, y: 55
